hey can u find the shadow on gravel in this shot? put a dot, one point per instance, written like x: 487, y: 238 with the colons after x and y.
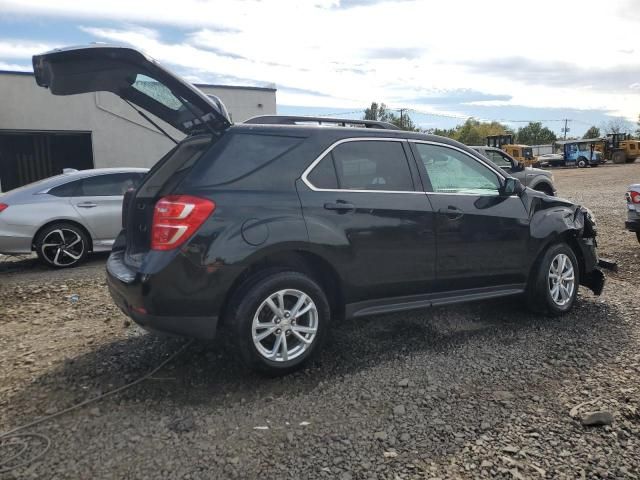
x: 30, y: 263
x: 210, y: 373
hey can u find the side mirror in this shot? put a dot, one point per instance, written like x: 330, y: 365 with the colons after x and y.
x: 511, y: 186
x: 519, y: 166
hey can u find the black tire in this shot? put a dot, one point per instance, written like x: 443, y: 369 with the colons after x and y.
x: 59, y: 256
x: 247, y: 303
x: 618, y: 157
x: 539, y: 296
x: 638, y: 236
x: 582, y: 162
x: 544, y: 188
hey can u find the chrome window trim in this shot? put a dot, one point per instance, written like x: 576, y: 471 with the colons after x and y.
x: 313, y: 164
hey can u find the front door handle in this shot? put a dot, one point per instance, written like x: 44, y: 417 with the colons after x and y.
x: 341, y: 206
x: 87, y: 205
x: 451, y: 212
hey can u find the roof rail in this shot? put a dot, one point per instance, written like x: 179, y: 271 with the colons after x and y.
x: 302, y: 120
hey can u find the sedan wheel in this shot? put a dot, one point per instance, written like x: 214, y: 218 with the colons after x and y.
x: 62, y: 245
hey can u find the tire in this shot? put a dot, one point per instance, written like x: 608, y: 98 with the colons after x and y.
x: 544, y: 188
x: 62, y: 245
x: 638, y: 236
x: 582, y: 162
x: 618, y: 157
x: 630, y: 160
x: 250, y: 307
x: 541, y: 297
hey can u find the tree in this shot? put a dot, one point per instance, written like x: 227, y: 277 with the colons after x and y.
x: 471, y: 132
x: 381, y: 113
x: 593, y: 132
x: 535, y: 134
x: 638, y: 130
x: 616, y: 125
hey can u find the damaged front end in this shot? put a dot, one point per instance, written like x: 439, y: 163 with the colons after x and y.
x: 585, y: 234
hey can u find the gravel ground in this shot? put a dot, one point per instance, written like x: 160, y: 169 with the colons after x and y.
x: 480, y: 390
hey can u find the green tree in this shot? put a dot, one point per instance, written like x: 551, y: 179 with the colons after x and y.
x: 593, y: 132
x: 638, y: 130
x: 535, y: 134
x: 381, y: 113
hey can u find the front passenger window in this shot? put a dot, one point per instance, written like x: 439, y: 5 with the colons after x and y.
x: 451, y: 171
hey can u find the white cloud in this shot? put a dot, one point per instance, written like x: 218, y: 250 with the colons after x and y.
x: 10, y: 48
x: 387, y: 50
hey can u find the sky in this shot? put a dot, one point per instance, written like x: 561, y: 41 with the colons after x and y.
x: 444, y: 61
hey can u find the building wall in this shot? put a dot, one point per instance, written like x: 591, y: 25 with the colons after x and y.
x: 120, y: 136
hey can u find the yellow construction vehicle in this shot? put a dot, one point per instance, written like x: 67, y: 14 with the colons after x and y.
x: 522, y: 153
x: 619, y: 148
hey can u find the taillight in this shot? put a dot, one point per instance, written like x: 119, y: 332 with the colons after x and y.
x: 633, y: 196
x: 176, y: 218
x: 3, y: 206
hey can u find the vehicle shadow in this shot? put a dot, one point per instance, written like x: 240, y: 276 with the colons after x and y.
x: 19, y: 264
x: 209, y: 373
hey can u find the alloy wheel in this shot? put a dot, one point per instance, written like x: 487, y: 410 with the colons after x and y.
x: 561, y: 279
x: 62, y: 247
x: 285, y: 325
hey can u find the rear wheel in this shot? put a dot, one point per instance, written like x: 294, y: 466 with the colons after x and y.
x: 62, y: 245
x: 553, y: 286
x: 638, y: 236
x: 279, y: 321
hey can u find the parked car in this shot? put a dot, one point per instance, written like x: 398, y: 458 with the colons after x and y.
x: 65, y: 217
x: 534, y: 178
x: 274, y: 228
x: 633, y: 209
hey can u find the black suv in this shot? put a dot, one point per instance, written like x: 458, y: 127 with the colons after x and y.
x: 276, y: 227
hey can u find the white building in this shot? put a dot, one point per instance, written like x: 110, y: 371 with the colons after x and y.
x: 40, y: 133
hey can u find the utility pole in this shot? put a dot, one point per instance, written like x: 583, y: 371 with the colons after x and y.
x: 402, y: 110
x: 565, y: 129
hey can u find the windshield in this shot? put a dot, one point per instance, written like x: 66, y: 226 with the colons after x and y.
x: 527, y: 153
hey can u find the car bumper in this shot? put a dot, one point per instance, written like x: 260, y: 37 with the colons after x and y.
x: 131, y: 293
x: 14, y: 245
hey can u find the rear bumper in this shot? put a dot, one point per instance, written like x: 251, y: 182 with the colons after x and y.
x: 13, y: 245
x: 132, y: 293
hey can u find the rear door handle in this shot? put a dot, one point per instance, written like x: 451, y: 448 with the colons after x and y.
x: 451, y: 212
x: 340, y: 206
x: 87, y: 205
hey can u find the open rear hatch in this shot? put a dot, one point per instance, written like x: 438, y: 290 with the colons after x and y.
x: 135, y: 78
x: 142, y: 82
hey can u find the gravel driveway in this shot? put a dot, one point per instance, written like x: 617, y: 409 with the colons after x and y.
x: 480, y: 390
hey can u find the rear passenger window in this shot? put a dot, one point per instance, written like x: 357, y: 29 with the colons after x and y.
x: 112, y: 185
x: 241, y: 154
x: 365, y: 165
x: 65, y: 190
x: 324, y: 174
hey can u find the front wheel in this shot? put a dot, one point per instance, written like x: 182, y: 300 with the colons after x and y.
x: 582, y: 162
x: 279, y: 321
x: 553, y: 286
